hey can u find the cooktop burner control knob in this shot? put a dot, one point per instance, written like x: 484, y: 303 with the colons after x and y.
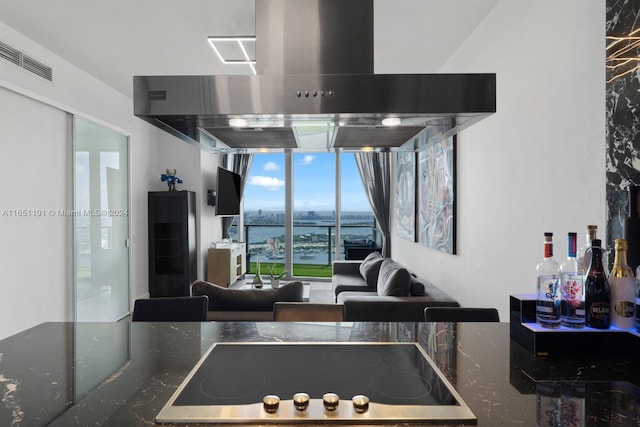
x: 271, y: 403
x: 360, y: 403
x: 330, y: 401
x: 301, y: 401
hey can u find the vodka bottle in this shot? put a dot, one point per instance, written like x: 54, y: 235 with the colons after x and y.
x: 597, y: 292
x: 548, y: 272
x: 584, y: 253
x: 623, y: 289
x: 572, y: 287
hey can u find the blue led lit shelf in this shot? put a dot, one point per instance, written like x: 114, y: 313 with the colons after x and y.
x: 563, y: 341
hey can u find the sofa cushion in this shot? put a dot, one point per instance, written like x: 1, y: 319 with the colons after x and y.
x: 227, y: 299
x: 348, y: 282
x: 370, y: 267
x: 393, y: 279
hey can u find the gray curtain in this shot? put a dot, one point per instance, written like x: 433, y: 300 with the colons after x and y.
x: 240, y: 164
x: 374, y: 171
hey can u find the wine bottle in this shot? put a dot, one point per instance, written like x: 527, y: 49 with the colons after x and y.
x: 597, y: 292
x: 572, y: 287
x: 623, y: 289
x: 548, y: 302
x: 632, y: 228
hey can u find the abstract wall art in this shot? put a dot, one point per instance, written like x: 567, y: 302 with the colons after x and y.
x: 436, y: 195
x: 406, y: 195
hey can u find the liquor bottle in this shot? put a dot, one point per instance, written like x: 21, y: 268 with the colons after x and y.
x: 638, y: 299
x: 597, y: 292
x: 632, y: 228
x: 584, y: 254
x: 623, y: 289
x: 548, y: 303
x: 572, y: 287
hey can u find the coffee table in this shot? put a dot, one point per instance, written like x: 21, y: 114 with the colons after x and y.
x: 266, y: 284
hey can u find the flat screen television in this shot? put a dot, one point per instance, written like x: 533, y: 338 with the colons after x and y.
x: 228, y: 193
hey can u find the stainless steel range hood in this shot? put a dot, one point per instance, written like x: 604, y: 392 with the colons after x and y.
x: 315, y: 90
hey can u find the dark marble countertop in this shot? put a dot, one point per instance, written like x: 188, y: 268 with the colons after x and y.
x: 121, y: 374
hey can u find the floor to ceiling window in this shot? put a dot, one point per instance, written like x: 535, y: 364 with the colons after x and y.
x: 314, y: 213
x: 292, y: 215
x: 264, y: 212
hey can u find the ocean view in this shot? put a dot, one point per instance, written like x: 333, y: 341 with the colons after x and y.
x: 313, y: 235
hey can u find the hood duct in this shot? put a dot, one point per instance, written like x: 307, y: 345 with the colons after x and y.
x: 315, y: 90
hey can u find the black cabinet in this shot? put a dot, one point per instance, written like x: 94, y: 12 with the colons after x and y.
x: 172, y: 242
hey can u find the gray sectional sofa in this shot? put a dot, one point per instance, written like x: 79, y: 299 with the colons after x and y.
x: 381, y: 289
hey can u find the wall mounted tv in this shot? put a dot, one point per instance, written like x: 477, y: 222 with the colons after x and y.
x: 228, y: 193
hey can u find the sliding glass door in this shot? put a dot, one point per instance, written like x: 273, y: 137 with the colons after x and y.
x: 101, y: 222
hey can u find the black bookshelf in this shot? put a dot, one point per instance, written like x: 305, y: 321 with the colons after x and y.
x: 172, y: 243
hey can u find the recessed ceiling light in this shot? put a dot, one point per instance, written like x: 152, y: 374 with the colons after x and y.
x: 391, y: 121
x: 238, y: 123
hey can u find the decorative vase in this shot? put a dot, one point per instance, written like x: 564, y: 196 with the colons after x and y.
x: 257, y: 280
x: 275, y: 283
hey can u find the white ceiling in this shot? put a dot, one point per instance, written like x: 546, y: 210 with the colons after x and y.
x: 114, y: 40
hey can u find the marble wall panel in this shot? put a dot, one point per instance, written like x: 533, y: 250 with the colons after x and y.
x: 623, y: 110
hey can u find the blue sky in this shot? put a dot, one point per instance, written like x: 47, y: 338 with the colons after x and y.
x: 314, y: 183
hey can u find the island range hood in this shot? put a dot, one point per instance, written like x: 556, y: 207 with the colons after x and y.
x: 315, y: 90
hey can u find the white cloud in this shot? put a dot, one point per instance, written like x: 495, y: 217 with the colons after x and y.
x: 308, y: 159
x: 271, y: 166
x: 266, y: 182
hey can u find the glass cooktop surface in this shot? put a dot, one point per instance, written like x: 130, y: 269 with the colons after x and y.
x: 257, y: 382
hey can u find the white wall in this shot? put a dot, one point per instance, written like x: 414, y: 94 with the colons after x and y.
x: 34, y: 284
x: 36, y: 260
x: 210, y: 224
x: 536, y: 165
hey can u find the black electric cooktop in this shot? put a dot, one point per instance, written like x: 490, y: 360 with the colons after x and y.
x: 257, y: 382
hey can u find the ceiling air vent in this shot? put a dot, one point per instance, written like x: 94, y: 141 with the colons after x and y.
x: 28, y: 63
x: 37, y: 67
x: 10, y: 54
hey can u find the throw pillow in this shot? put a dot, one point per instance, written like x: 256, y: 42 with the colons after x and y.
x: 226, y: 299
x: 370, y: 267
x: 417, y: 287
x: 393, y: 279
